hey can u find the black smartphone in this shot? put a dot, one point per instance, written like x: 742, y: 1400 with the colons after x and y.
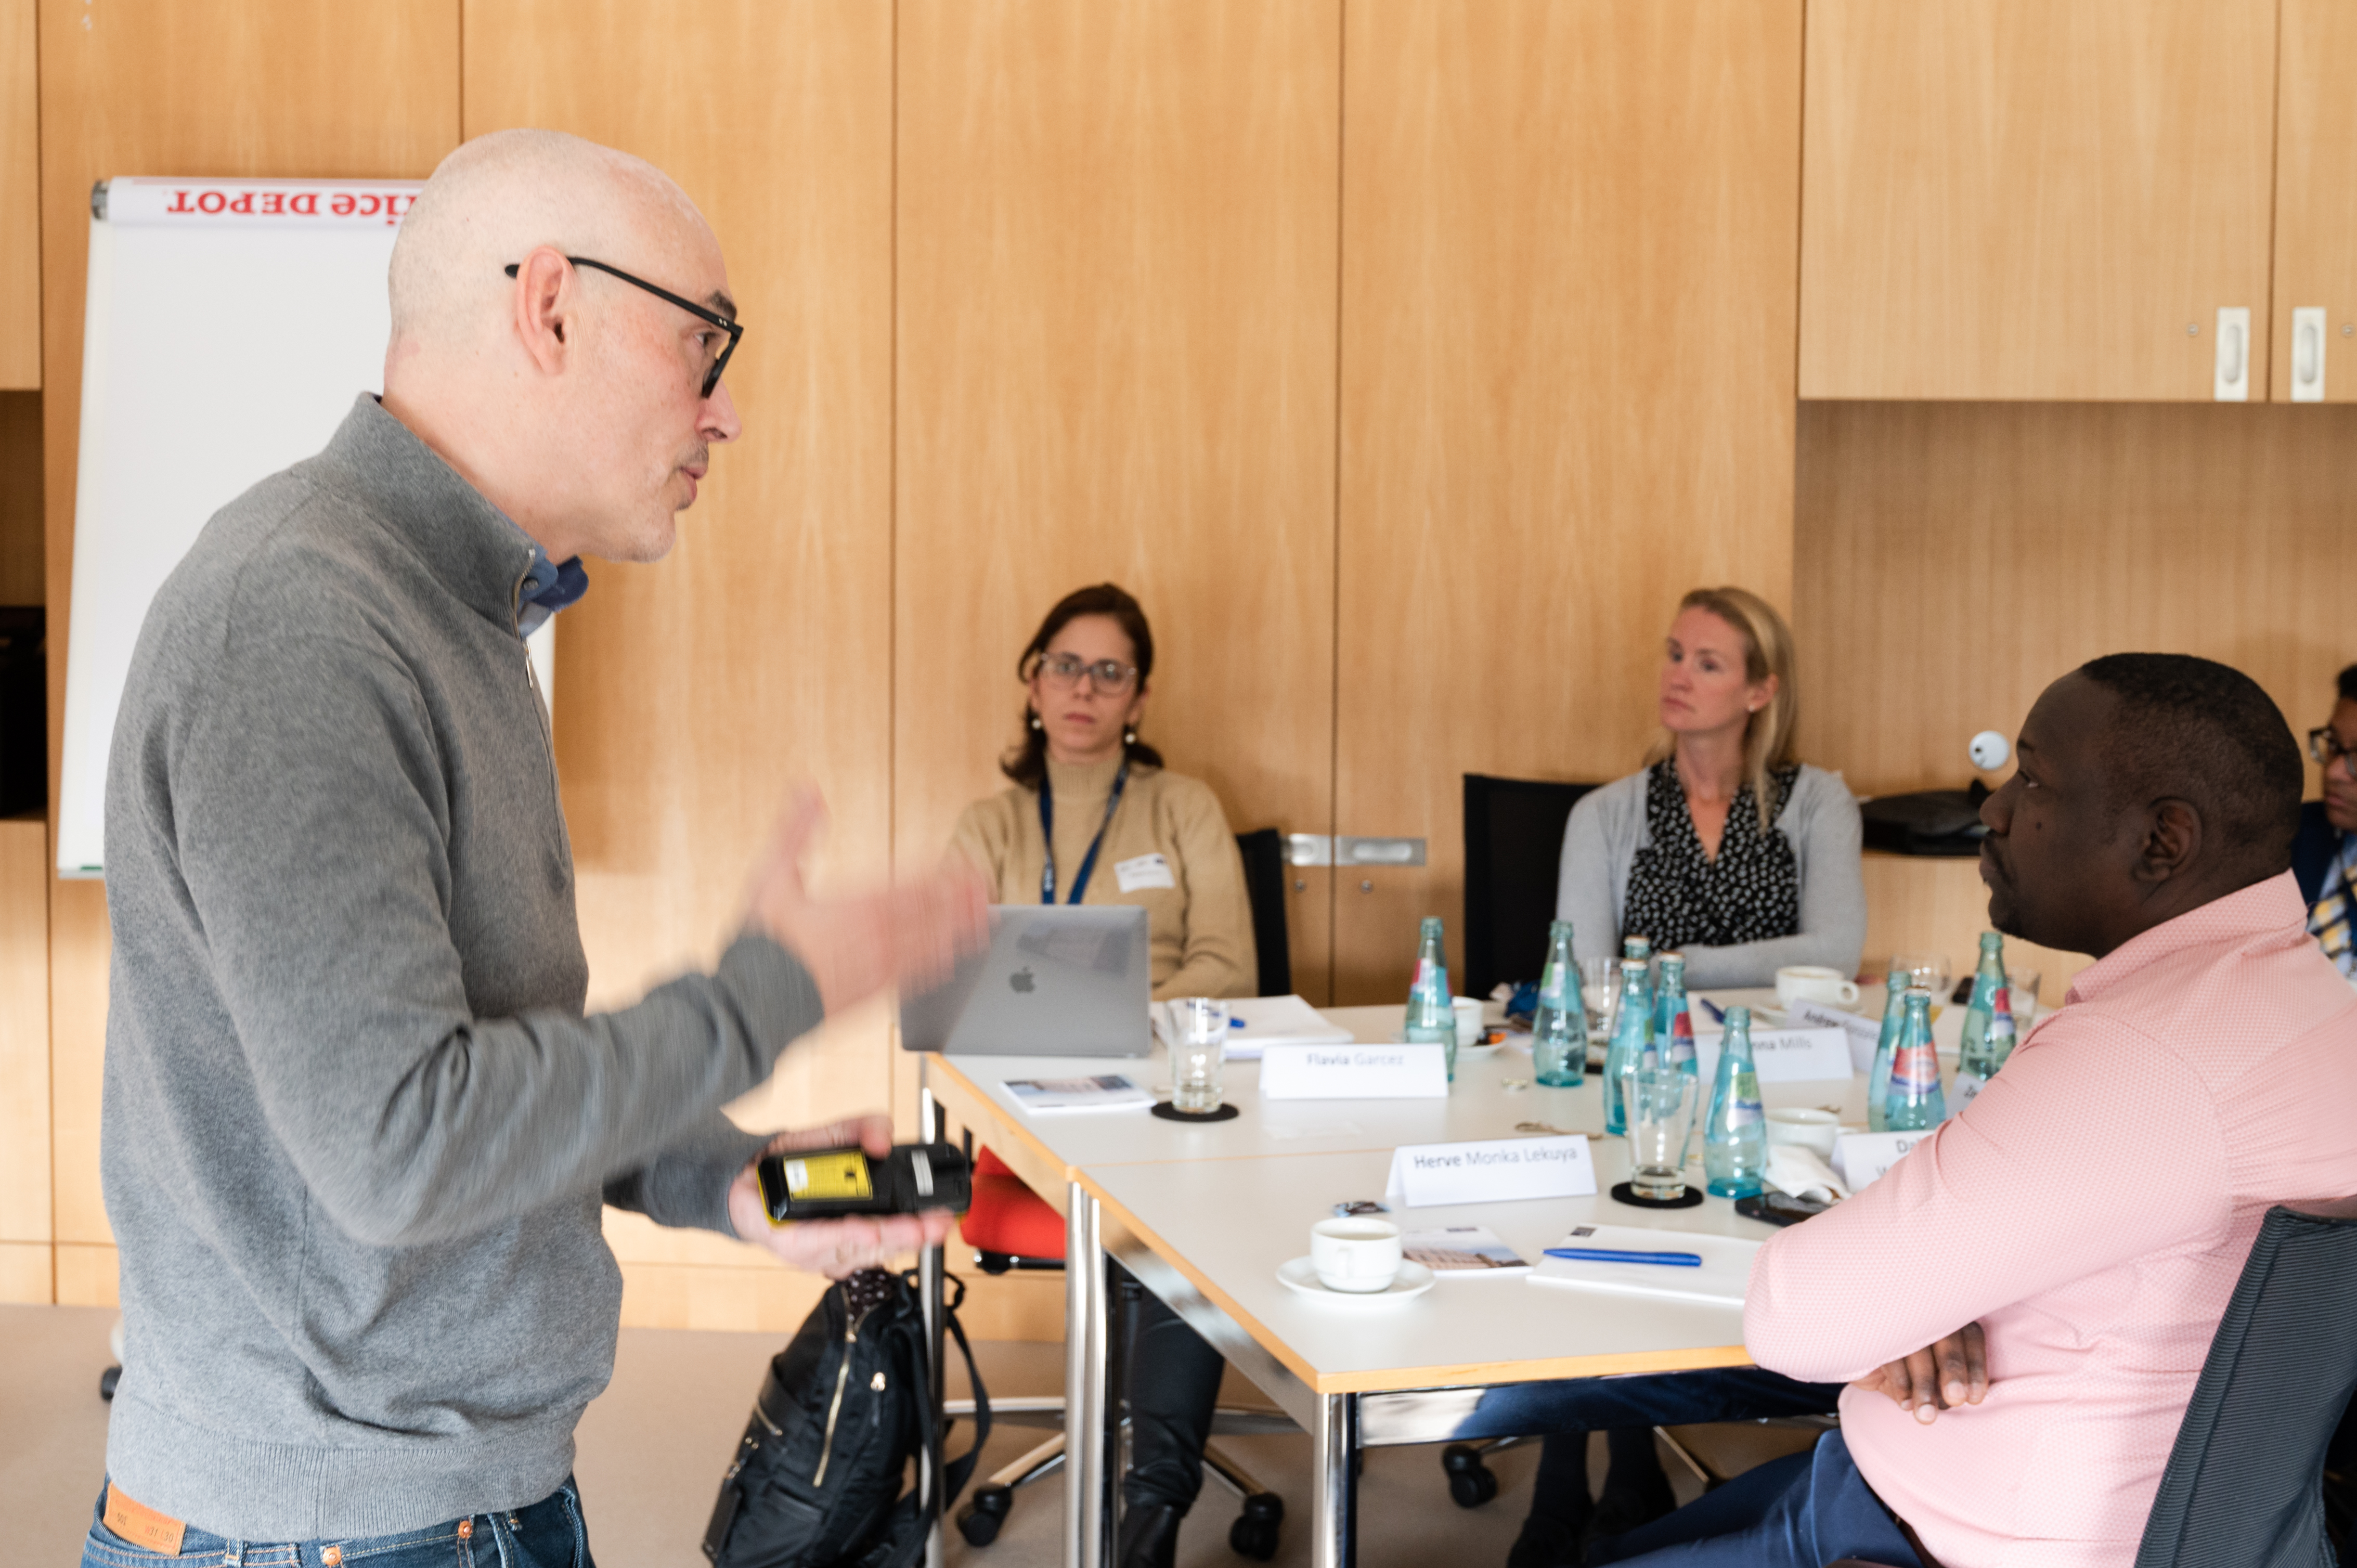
x: 1779, y: 1208
x: 826, y: 1183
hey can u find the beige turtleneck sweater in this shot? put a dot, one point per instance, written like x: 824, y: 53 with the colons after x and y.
x: 1200, y: 924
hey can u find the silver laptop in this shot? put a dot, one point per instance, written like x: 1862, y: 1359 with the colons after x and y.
x: 1058, y: 979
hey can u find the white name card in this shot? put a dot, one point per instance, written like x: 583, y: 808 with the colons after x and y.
x: 1860, y: 1159
x: 1784, y: 1056
x: 1427, y: 1174
x: 1354, y: 1072
x: 1865, y: 1034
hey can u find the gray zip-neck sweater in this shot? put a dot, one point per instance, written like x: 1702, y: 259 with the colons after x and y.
x: 356, y: 1126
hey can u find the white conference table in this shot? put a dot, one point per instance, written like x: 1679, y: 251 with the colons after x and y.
x: 1203, y: 1214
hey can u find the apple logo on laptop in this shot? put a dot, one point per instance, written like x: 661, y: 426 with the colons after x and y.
x: 1021, y: 980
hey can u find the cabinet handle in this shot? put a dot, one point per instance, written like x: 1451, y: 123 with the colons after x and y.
x: 2307, y: 354
x: 2231, y: 379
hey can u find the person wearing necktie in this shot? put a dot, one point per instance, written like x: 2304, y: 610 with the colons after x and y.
x: 2324, y: 857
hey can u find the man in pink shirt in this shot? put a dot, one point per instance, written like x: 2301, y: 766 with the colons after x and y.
x: 2025, y: 1301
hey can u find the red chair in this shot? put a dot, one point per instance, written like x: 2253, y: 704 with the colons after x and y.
x: 1011, y: 1226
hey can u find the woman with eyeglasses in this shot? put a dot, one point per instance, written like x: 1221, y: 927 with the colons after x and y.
x: 1094, y: 818
x: 2324, y: 857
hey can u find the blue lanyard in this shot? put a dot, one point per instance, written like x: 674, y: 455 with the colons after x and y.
x: 1047, y: 835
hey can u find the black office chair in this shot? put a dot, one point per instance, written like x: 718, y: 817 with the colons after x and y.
x: 1513, y: 851
x: 2245, y: 1484
x: 1265, y: 874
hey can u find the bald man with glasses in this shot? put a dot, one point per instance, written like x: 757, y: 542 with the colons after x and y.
x: 358, y: 1128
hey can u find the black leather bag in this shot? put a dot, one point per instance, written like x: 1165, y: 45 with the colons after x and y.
x: 822, y: 1478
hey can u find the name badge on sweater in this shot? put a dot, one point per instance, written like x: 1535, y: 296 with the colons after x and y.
x: 1144, y: 871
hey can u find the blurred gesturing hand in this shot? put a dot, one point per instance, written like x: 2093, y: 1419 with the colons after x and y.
x: 1950, y: 1371
x: 833, y: 1247
x: 912, y: 934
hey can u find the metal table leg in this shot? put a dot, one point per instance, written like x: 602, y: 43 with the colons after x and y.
x: 1085, y: 1536
x: 1333, y: 1464
x: 929, y: 1278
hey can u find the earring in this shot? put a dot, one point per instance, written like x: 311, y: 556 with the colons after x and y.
x: 1035, y: 721
x: 1129, y: 737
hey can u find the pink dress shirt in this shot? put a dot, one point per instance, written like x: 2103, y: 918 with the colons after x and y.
x: 2093, y: 1209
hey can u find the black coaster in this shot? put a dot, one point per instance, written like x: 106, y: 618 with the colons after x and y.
x: 1623, y: 1193
x: 1170, y: 1113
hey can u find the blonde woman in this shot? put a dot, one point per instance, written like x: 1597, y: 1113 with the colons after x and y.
x: 1725, y: 847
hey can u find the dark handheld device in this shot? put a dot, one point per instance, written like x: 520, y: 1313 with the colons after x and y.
x: 827, y: 1184
x: 1779, y: 1208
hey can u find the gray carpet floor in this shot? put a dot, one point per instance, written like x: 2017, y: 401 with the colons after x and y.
x: 652, y: 1447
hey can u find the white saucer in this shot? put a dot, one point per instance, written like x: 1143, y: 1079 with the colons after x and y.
x: 1475, y: 1052
x: 1413, y: 1278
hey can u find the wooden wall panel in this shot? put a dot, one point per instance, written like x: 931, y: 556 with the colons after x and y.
x: 21, y: 578
x: 1952, y: 560
x: 1568, y: 325
x: 20, y: 201
x: 25, y: 1205
x: 2033, y: 199
x: 1116, y: 321
x: 694, y: 692
x: 88, y: 1275
x: 225, y: 87
x: 2316, y: 189
x: 27, y: 1272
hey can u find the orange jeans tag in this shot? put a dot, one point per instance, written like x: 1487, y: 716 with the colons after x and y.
x: 141, y: 1525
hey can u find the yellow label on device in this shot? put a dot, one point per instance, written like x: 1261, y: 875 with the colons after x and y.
x: 840, y: 1174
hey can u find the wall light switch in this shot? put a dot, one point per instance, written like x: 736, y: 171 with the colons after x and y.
x: 2232, y: 382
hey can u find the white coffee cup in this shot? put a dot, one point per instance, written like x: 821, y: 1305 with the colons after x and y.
x: 1814, y: 983
x: 1806, y: 1127
x: 1468, y: 1021
x: 1358, y: 1256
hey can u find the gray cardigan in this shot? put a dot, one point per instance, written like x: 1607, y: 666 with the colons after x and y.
x: 1607, y: 828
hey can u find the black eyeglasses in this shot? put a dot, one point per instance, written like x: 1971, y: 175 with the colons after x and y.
x: 1063, y: 670
x: 711, y: 371
x: 2324, y: 747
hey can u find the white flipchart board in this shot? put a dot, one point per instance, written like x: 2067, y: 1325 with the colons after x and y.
x: 229, y: 324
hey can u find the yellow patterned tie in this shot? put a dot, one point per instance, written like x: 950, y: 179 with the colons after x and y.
x: 2332, y: 914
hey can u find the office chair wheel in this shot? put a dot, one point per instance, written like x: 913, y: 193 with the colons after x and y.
x: 106, y: 1381
x: 980, y: 1520
x: 1255, y: 1533
x: 1471, y: 1482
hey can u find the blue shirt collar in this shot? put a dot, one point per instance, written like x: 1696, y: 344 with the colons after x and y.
x: 548, y: 587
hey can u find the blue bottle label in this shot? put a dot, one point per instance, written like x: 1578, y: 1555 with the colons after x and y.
x: 1681, y: 1040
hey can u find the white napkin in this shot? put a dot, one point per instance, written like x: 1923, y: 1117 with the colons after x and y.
x: 1802, y: 1173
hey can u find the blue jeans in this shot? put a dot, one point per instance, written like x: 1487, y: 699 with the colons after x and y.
x: 1801, y: 1512
x: 1628, y: 1409
x: 549, y: 1533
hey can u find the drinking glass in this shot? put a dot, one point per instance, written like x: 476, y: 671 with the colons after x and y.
x: 1661, y: 1104
x: 1600, y: 995
x: 1198, y: 1054
x: 2025, y: 995
x: 1928, y: 971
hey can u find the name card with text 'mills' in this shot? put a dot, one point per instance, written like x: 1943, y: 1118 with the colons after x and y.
x: 1354, y: 1072
x: 1782, y: 1056
x: 1425, y: 1176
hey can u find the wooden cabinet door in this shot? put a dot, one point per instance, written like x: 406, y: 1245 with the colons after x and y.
x: 2034, y: 199
x: 20, y: 198
x: 2315, y: 357
x: 1116, y: 301
x: 1568, y: 298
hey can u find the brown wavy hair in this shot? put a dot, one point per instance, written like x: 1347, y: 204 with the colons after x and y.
x: 1026, y: 764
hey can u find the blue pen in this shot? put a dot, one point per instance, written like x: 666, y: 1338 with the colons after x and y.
x: 1601, y: 1255
x: 1718, y: 1013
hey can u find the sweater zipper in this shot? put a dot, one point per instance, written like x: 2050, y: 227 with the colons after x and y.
x: 835, y: 1408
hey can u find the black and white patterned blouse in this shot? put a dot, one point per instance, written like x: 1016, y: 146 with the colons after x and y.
x: 1680, y: 898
